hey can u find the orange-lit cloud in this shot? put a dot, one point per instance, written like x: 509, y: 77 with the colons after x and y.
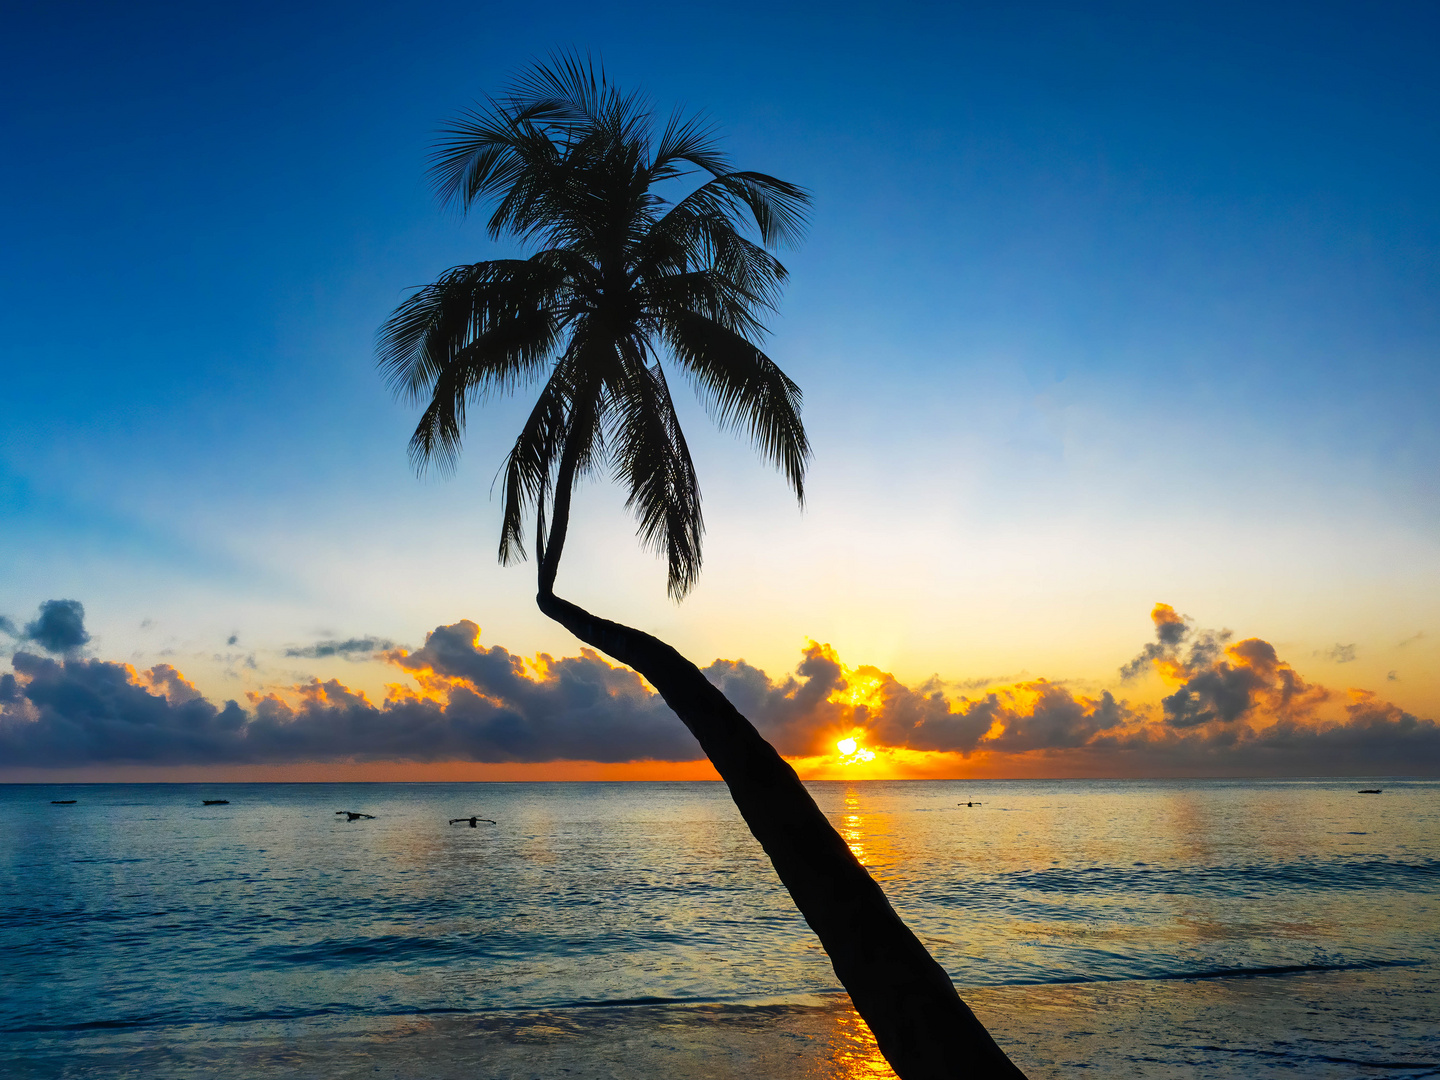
x: 1233, y: 708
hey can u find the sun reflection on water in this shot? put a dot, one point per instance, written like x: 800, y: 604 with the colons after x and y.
x: 853, y: 1052
x: 852, y: 825
x: 867, y: 833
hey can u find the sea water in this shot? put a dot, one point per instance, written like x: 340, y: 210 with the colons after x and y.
x: 1137, y: 928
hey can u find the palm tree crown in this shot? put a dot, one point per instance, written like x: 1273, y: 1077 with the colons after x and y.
x: 621, y: 277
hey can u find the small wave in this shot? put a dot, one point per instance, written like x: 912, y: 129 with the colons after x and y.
x: 615, y: 1003
x: 392, y: 948
x: 48, y: 918
x: 1327, y: 1058
x: 1221, y: 973
x: 182, y: 1018
x: 1215, y: 881
x: 179, y: 1018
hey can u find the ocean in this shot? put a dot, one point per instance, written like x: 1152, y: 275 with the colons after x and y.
x: 1212, y: 928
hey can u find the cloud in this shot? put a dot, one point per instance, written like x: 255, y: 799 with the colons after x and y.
x: 59, y: 628
x: 1233, y: 709
x: 1172, y: 630
x: 1372, y: 738
x: 476, y: 704
x: 1057, y: 720
x: 1225, y: 683
x: 352, y: 648
x: 796, y: 714
x: 1341, y: 654
x: 81, y: 711
x: 805, y: 714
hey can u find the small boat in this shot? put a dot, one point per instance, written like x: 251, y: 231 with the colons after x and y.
x: 62, y: 802
x: 1369, y: 791
x: 216, y: 802
x: 351, y: 815
x: 474, y: 821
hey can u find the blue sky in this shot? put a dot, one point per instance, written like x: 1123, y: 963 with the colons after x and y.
x: 1098, y: 308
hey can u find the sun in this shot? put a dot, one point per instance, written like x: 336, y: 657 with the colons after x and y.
x: 851, y: 752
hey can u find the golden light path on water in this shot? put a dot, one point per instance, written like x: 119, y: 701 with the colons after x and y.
x: 854, y: 1053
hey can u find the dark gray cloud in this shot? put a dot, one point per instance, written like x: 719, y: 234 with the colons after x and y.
x: 1250, y: 678
x: 798, y: 716
x: 925, y: 719
x: 795, y: 714
x: 488, y: 708
x: 1222, y: 693
x: 58, y: 628
x: 1057, y: 720
x: 80, y: 712
x: 1176, y: 642
x: 1244, y: 712
x: 1341, y: 654
x: 233, y: 639
x: 1375, y: 739
x: 361, y: 648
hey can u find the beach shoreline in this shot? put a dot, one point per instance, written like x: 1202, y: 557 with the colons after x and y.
x: 1232, y: 1029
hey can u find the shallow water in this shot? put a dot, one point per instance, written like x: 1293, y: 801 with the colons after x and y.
x: 1140, y: 928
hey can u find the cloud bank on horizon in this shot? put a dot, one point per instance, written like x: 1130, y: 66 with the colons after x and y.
x: 1235, y: 708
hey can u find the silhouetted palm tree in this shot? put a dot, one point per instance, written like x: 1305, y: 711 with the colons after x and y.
x: 624, y: 276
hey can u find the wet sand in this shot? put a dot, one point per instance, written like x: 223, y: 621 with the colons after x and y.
x: 1280, y: 1026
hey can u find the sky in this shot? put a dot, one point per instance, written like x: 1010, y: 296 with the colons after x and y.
x: 1102, y: 313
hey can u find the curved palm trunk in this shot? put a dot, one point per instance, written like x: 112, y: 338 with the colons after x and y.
x: 924, y: 1030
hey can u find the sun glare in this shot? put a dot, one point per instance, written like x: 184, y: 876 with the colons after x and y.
x: 852, y: 752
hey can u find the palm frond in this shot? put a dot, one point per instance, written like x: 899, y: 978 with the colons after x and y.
x: 529, y: 466
x: 687, y: 141
x: 780, y: 210
x: 704, y: 230
x: 743, y: 389
x: 496, y: 318
x: 652, y: 461
x: 571, y: 166
x: 571, y: 94
x: 708, y: 293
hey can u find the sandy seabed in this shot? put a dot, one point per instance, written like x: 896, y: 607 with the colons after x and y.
x: 1378, y: 1023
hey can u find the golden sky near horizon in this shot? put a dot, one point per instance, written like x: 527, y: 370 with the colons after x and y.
x: 1190, y: 702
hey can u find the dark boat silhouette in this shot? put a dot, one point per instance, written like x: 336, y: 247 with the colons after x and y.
x: 474, y: 821
x: 216, y: 802
x: 62, y: 802
x: 1370, y: 791
x: 351, y: 815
